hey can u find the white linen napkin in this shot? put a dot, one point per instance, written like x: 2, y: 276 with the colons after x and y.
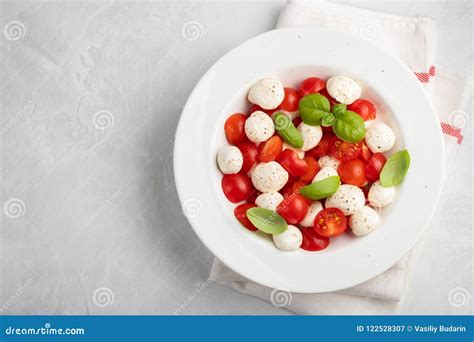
x: 413, y: 41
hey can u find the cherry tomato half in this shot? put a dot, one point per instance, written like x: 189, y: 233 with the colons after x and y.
x: 344, y: 150
x: 293, y: 208
x: 240, y: 213
x: 330, y: 222
x: 322, y: 148
x: 364, y: 108
x: 312, y: 85
x: 234, y: 128
x: 297, y: 121
x: 270, y: 149
x: 366, y: 153
x: 291, y: 100
x: 292, y: 163
x: 332, y: 100
x: 313, y: 169
x: 312, y: 241
x: 352, y: 172
x: 250, y: 155
x: 253, y: 196
x: 237, y: 187
x: 374, y: 167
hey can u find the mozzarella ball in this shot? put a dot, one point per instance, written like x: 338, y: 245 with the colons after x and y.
x: 329, y: 161
x: 259, y: 127
x: 364, y: 221
x: 324, y: 173
x: 343, y: 89
x: 348, y: 198
x: 298, y: 151
x: 267, y: 93
x: 290, y: 240
x: 229, y: 159
x: 313, y: 210
x: 269, y: 177
x: 379, y: 196
x: 311, y: 135
x: 269, y: 200
x: 379, y: 137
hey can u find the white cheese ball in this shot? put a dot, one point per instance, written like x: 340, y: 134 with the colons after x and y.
x: 229, y: 159
x: 348, y: 198
x: 313, y: 210
x: 290, y: 240
x: 343, y: 89
x: 379, y: 196
x: 364, y: 221
x: 329, y: 161
x: 269, y: 200
x: 269, y: 177
x: 311, y: 135
x: 259, y: 127
x: 298, y: 151
x: 267, y: 93
x: 324, y: 173
x: 379, y: 137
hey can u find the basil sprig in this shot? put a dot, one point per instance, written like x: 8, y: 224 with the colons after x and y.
x: 287, y: 130
x: 315, y: 110
x: 312, y: 108
x: 267, y: 220
x: 321, y: 189
x: 395, y: 169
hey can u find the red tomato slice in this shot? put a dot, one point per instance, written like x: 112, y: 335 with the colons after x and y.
x: 250, y: 155
x: 293, y: 208
x: 240, y: 213
x: 292, y: 163
x: 255, y: 107
x: 313, y: 169
x: 312, y: 241
x: 364, y: 108
x: 366, y: 153
x: 352, y: 172
x: 312, y: 85
x: 330, y: 222
x: 291, y: 100
x: 234, y: 128
x: 344, y: 150
x: 374, y: 167
x: 237, y: 187
x: 322, y: 148
x: 297, y: 121
x: 270, y: 149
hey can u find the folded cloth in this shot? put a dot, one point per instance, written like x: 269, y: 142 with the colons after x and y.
x: 412, y: 40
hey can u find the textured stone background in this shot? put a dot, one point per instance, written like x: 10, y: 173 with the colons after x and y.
x: 91, y: 94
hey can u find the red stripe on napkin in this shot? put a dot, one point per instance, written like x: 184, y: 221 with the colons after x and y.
x: 425, y: 76
x: 452, y: 131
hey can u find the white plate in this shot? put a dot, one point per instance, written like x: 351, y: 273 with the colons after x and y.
x: 292, y: 55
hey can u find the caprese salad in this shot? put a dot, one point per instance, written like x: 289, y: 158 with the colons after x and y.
x: 308, y: 164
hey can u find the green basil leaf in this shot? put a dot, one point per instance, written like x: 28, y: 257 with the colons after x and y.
x: 328, y: 119
x: 395, y: 169
x: 339, y: 109
x: 321, y: 189
x: 349, y: 126
x: 287, y: 130
x: 312, y: 108
x: 267, y: 220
